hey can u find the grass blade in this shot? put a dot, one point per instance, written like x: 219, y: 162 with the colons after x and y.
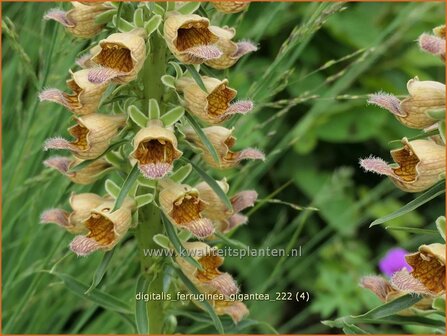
x: 101, y: 270
x: 178, y: 247
x: 198, y: 129
x: 427, y: 196
x: 196, y: 76
x: 141, y: 319
x: 212, y: 183
x: 97, y: 296
x: 127, y: 185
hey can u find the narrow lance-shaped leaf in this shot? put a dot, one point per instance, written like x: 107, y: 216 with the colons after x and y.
x: 112, y: 188
x: 137, y: 116
x: 427, y: 196
x: 127, y: 185
x: 196, y: 76
x: 101, y: 270
x: 141, y: 319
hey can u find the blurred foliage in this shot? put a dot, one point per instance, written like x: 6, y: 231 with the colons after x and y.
x: 311, y: 120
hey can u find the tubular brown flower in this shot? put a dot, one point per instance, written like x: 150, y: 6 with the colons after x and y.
x: 85, y: 96
x: 80, y: 20
x: 222, y: 140
x: 93, y: 134
x: 213, y: 106
x: 185, y: 207
x: 155, y: 149
x: 230, y: 7
x: 419, y: 164
x: 105, y: 228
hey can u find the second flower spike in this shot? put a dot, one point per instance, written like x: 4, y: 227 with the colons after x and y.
x: 155, y: 149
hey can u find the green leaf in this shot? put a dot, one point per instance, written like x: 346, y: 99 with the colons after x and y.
x: 168, y: 81
x: 196, y: 76
x: 440, y: 225
x: 212, y: 183
x: 231, y: 242
x: 427, y: 196
x: 123, y: 25
x: 170, y: 6
x: 392, y: 307
x: 85, y: 163
x: 188, y: 8
x: 158, y: 10
x: 114, y: 158
x: 202, y: 136
x: 97, y: 296
x: 172, y: 116
x: 204, y: 304
x: 101, y: 270
x: 438, y: 114
x: 351, y: 329
x: 178, y: 69
x: 105, y: 17
x: 411, y: 230
x: 184, y: 235
x: 152, y: 24
x: 162, y: 240
x: 175, y: 241
x: 127, y: 185
x: 441, y: 127
x: 145, y: 182
x: 439, y: 304
x: 153, y: 110
x: 112, y: 188
x: 180, y: 174
x: 138, y: 17
x: 141, y: 319
x: 144, y: 199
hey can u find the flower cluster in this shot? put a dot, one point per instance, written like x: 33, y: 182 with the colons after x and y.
x: 418, y: 165
x: 120, y: 137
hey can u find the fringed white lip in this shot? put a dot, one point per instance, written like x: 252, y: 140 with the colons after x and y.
x: 387, y: 102
x: 204, y: 52
x: 84, y: 246
x: 155, y: 170
x: 201, y: 228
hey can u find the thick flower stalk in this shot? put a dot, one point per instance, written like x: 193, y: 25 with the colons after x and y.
x: 130, y: 124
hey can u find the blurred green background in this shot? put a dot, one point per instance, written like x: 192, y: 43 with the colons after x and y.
x: 309, y: 81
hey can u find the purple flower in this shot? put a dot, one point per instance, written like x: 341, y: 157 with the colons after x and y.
x: 394, y: 261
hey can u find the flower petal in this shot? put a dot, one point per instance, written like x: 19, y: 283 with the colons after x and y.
x: 204, y: 52
x: 378, y: 285
x: 388, y: 102
x: 236, y: 220
x: 155, y: 170
x: 58, y: 143
x: 201, y: 228
x: 243, y: 200
x: 405, y: 282
x: 56, y: 216
x: 225, y: 284
x: 59, y: 16
x: 432, y: 44
x: 55, y: 96
x: 376, y: 165
x: 250, y: 154
x: 83, y: 246
x: 60, y: 163
x: 100, y: 75
x: 240, y: 107
x: 245, y: 47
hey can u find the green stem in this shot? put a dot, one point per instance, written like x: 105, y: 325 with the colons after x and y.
x: 149, y: 216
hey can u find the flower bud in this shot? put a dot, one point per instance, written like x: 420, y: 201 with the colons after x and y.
x: 105, y: 228
x: 208, y: 280
x: 412, y: 111
x: 419, y: 165
x: 229, y: 7
x: 86, y: 175
x: 155, y: 149
x: 80, y: 20
x: 231, y: 51
x: 73, y: 221
x: 119, y: 59
x: 213, y: 106
x: 184, y: 206
x: 93, y: 134
x: 222, y: 140
x: 190, y: 38
x: 85, y: 96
